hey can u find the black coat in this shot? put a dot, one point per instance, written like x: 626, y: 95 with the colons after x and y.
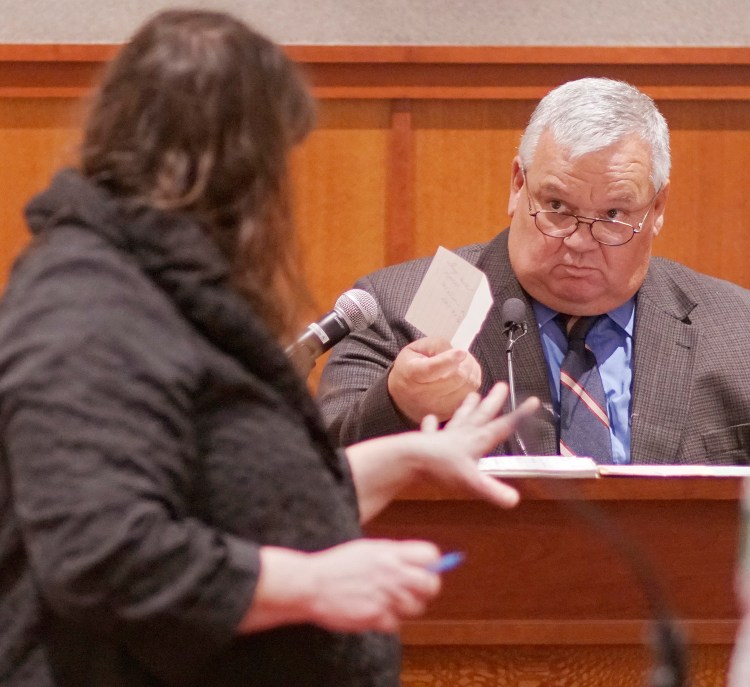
x: 153, y: 437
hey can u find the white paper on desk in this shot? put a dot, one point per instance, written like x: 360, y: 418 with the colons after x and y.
x: 674, y: 470
x: 452, y: 301
x: 538, y: 466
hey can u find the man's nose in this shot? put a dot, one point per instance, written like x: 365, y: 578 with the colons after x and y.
x: 581, y: 239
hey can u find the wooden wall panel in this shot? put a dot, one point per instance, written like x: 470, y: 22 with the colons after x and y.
x: 707, y: 223
x: 340, y: 176
x: 464, y: 151
x: 594, y: 666
x: 37, y: 136
x: 414, y: 145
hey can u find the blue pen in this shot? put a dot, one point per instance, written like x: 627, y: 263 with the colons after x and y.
x: 447, y: 562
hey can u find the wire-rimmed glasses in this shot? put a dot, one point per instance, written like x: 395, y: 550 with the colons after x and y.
x: 557, y: 224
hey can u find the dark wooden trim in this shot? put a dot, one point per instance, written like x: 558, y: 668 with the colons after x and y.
x: 555, y: 632
x: 463, y: 54
x: 56, y: 52
x: 522, y: 80
x: 601, y: 489
x: 424, y: 54
x: 420, y: 72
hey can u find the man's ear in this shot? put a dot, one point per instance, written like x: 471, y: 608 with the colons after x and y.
x: 659, y: 206
x: 516, y: 184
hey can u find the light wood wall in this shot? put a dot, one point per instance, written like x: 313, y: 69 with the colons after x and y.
x: 414, y: 145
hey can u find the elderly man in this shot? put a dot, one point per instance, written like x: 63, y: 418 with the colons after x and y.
x: 636, y: 359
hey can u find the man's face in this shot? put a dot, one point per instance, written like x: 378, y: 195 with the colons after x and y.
x: 577, y: 275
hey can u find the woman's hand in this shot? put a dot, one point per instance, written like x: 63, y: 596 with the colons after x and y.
x: 382, y: 467
x: 375, y: 584
x: 366, y: 584
x: 450, y: 454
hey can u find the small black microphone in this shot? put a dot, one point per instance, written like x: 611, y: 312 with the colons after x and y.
x: 514, y: 318
x: 514, y: 327
x: 354, y: 310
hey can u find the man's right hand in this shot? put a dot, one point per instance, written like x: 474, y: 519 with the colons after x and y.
x: 430, y: 377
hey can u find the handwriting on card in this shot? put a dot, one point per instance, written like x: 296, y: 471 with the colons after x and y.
x: 452, y: 301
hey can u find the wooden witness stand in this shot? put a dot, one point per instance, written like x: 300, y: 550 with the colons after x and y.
x: 544, y: 600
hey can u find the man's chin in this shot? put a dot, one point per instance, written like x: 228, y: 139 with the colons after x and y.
x: 579, y: 300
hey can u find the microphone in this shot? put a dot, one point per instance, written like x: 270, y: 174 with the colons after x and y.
x: 354, y: 310
x: 514, y: 327
x: 514, y: 318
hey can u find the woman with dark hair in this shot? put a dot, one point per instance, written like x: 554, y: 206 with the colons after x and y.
x: 172, y: 510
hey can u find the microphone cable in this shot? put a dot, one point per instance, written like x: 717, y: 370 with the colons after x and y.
x: 668, y: 644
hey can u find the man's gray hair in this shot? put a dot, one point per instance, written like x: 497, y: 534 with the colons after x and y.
x: 590, y: 114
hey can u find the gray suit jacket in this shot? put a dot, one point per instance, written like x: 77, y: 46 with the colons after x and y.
x: 691, y: 375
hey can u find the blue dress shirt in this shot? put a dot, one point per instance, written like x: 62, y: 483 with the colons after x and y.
x: 611, y: 341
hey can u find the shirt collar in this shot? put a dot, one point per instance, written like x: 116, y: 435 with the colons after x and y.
x: 622, y: 316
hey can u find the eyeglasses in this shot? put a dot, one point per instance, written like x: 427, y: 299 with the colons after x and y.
x: 610, y: 232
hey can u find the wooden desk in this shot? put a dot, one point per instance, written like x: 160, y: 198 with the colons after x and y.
x: 543, y: 599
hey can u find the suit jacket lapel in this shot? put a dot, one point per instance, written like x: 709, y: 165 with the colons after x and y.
x: 529, y: 367
x: 664, y: 353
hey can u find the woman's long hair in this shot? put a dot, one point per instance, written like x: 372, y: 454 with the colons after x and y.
x: 197, y: 114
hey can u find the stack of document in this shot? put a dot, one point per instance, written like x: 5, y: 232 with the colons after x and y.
x: 674, y: 470
x: 538, y: 466
x: 563, y: 466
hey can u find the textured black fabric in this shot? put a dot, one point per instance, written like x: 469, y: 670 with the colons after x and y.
x: 153, y: 437
x: 691, y: 381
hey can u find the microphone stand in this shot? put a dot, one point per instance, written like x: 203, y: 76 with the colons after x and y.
x: 514, y: 331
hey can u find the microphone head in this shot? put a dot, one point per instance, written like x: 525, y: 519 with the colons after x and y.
x: 358, y: 307
x: 513, y: 313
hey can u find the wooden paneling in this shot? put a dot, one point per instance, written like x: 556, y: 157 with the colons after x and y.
x: 340, y: 191
x: 707, y: 222
x: 401, y: 190
x: 37, y: 136
x: 464, y: 151
x: 524, y: 73
x: 550, y: 666
x: 414, y: 144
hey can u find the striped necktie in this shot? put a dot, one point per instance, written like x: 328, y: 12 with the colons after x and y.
x: 584, y: 424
